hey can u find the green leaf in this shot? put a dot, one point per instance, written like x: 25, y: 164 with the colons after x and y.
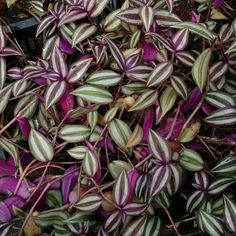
x: 40, y: 147
x: 153, y: 226
x: 219, y: 185
x: 93, y: 94
x: 5, y: 94
x: 54, y: 198
x: 230, y: 214
x: 116, y: 167
x: 78, y: 152
x: 191, y: 160
x: 90, y: 164
x: 179, y: 86
x: 74, y: 133
x: 80, y: 217
x: 200, y: 69
x: 167, y: 100
x: 88, y: 203
x: 120, y: 133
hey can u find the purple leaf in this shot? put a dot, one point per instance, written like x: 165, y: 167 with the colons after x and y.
x: 14, y: 73
x: 66, y: 47
x: 7, y: 167
x: 132, y: 176
x: 24, y: 126
x: 193, y: 100
x: 194, y: 17
x: 5, y: 214
x: 150, y: 52
x: 8, y: 185
x: 66, y: 102
x: 9, y: 52
x: 218, y: 3
x: 207, y: 108
x: 69, y: 182
x: 14, y: 201
x: 147, y: 123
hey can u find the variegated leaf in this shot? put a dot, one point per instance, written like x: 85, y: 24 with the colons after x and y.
x: 113, y: 221
x: 226, y: 166
x: 74, y: 133
x: 3, y: 71
x: 40, y: 147
x: 145, y: 100
x: 116, y: 167
x: 159, y: 147
x: 179, y: 86
x: 230, y: 214
x: 135, y: 87
x: 19, y: 87
x: 84, y: 31
x: 200, y: 69
x: 195, y: 28
x: 167, y: 100
x: 111, y: 22
x: 176, y: 180
x: 5, y: 94
x: 110, y: 114
x: 98, y: 9
x: 232, y: 48
x: 222, y: 116
x: 2, y: 38
x: 210, y: 224
x: 78, y: 70
x: 105, y: 78
x: 139, y: 73
x: 186, y: 58
x: 161, y: 73
x: 163, y: 199
x: 78, y: 152
x: 180, y: 39
x: 121, y: 189
x: 120, y: 133
x: 10, y: 148
x: 191, y: 160
x: 219, y: 185
x: 220, y: 99
x: 90, y: 164
x: 147, y: 16
x: 160, y: 179
x: 201, y: 180
x: 136, y: 227
x: 90, y: 202
x: 153, y: 226
x: 134, y: 209
x: 136, y: 137
x: 194, y: 200
x: 166, y: 18
x: 130, y: 16
x: 218, y: 70
x: 44, y: 24
x: 92, y: 119
x: 93, y: 94
x: 54, y: 92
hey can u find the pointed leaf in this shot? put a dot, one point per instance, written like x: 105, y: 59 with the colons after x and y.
x: 89, y: 203
x: 230, y: 214
x: 147, y: 17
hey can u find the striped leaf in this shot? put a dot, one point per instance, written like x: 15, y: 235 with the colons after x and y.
x: 232, y: 48
x: 3, y: 71
x: 134, y: 209
x: 130, y: 16
x: 176, y: 180
x: 160, y: 179
x: 186, y: 58
x: 93, y: 94
x: 180, y: 39
x: 10, y: 148
x: 111, y: 22
x: 139, y: 73
x: 220, y: 99
x: 61, y: 230
x: 195, y: 28
x: 90, y: 164
x: 116, y: 53
x: 161, y: 73
x: 59, y: 63
x: 120, y: 133
x: 145, y: 100
x: 116, y: 167
x: 121, y: 189
x: 54, y: 198
x: 226, y: 166
x: 44, y: 24
x: 230, y: 214
x: 113, y: 221
x: 136, y: 137
x: 92, y: 119
x: 19, y: 87
x: 78, y: 70
x: 167, y: 100
x: 201, y: 180
x: 200, y: 69
x: 40, y: 147
x: 105, y: 78
x: 194, y: 200
x: 51, y: 218
x: 74, y: 133
x: 219, y: 185
x: 166, y: 18
x: 218, y: 204
x: 5, y: 94
x: 147, y: 16
x: 179, y: 86
x: 210, y: 224
x: 141, y: 190
x: 218, y: 70
x: 84, y: 31
x: 136, y: 227
x: 78, y: 152
x: 153, y: 226
x: 88, y: 203
x: 110, y: 114
x: 222, y: 116
x: 2, y: 38
x: 54, y: 92
x: 163, y: 199
x: 191, y: 160
x: 159, y: 147
x: 135, y: 87
x: 134, y: 40
x: 98, y: 9
x: 80, y: 216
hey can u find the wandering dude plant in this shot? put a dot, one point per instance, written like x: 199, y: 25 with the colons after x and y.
x: 123, y: 123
